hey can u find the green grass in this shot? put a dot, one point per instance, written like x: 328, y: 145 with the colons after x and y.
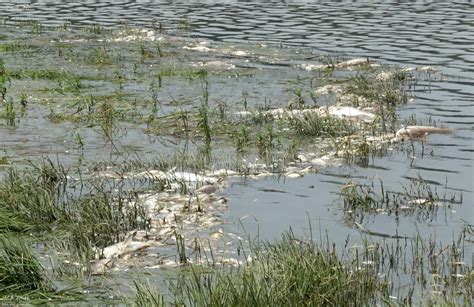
x: 290, y: 272
x: 418, y: 199
x: 299, y: 272
x: 20, y: 271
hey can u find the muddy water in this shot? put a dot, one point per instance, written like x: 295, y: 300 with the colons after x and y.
x: 436, y: 34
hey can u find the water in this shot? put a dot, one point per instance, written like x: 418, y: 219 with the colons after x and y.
x: 406, y: 34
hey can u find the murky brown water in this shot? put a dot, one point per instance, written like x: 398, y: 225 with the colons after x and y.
x: 436, y: 34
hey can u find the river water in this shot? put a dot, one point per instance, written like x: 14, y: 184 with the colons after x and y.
x: 418, y: 33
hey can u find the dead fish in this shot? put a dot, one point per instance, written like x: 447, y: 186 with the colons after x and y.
x: 101, y: 266
x: 122, y: 248
x: 310, y: 67
x: 417, y: 132
x: 198, y: 48
x: 293, y: 175
x: 351, y: 113
x: 219, y: 65
x: 354, y: 62
x: 115, y: 250
x: 190, y: 177
x: 207, y: 189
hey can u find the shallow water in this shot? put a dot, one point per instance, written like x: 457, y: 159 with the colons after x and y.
x: 405, y: 34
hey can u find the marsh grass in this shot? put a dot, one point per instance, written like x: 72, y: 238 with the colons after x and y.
x: 147, y: 295
x: 391, y: 92
x: 28, y: 198
x: 23, y: 277
x: 417, y: 199
x: 16, y: 47
x: 97, y: 29
x: 296, y: 272
x: 291, y: 271
x: 20, y: 270
x: 78, y: 216
x: 4, y: 79
x: 88, y: 217
x: 314, y: 125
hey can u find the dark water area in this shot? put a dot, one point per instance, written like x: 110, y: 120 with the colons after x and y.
x: 437, y: 34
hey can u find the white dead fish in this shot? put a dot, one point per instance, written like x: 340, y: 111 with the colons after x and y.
x: 293, y: 175
x: 424, y: 68
x: 329, y: 88
x: 190, y: 177
x: 385, y: 75
x: 207, y: 189
x: 219, y: 65
x: 327, y: 160
x: 417, y: 132
x: 310, y: 67
x: 222, y: 172
x: 239, y: 53
x: 198, y: 48
x: 351, y: 113
x: 101, y: 266
x: 122, y: 248
x: 151, y: 175
x: 302, y: 158
x: 354, y: 62
x: 115, y: 250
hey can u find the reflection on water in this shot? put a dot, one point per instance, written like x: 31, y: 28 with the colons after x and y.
x: 435, y: 34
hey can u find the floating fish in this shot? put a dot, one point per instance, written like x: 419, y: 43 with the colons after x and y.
x: 101, y: 266
x: 418, y: 132
x: 293, y: 175
x: 198, y: 48
x: 310, y: 67
x: 351, y: 113
x: 207, y: 189
x: 354, y: 62
x: 215, y: 65
x: 190, y: 177
x: 120, y: 249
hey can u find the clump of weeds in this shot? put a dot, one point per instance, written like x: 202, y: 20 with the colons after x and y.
x: 418, y: 199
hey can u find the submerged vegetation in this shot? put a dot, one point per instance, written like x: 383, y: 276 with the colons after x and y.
x: 110, y: 204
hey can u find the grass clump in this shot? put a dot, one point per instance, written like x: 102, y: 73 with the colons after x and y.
x: 314, y: 125
x: 418, y: 199
x: 291, y: 272
x: 24, y: 279
x: 31, y: 199
x: 20, y: 271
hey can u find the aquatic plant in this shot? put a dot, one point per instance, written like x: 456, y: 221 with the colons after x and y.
x: 10, y: 113
x: 418, y: 199
x: 20, y: 270
x: 289, y: 272
x: 203, y: 119
x: 315, y: 125
x: 96, y: 29
x: 3, y: 79
x: 147, y: 295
